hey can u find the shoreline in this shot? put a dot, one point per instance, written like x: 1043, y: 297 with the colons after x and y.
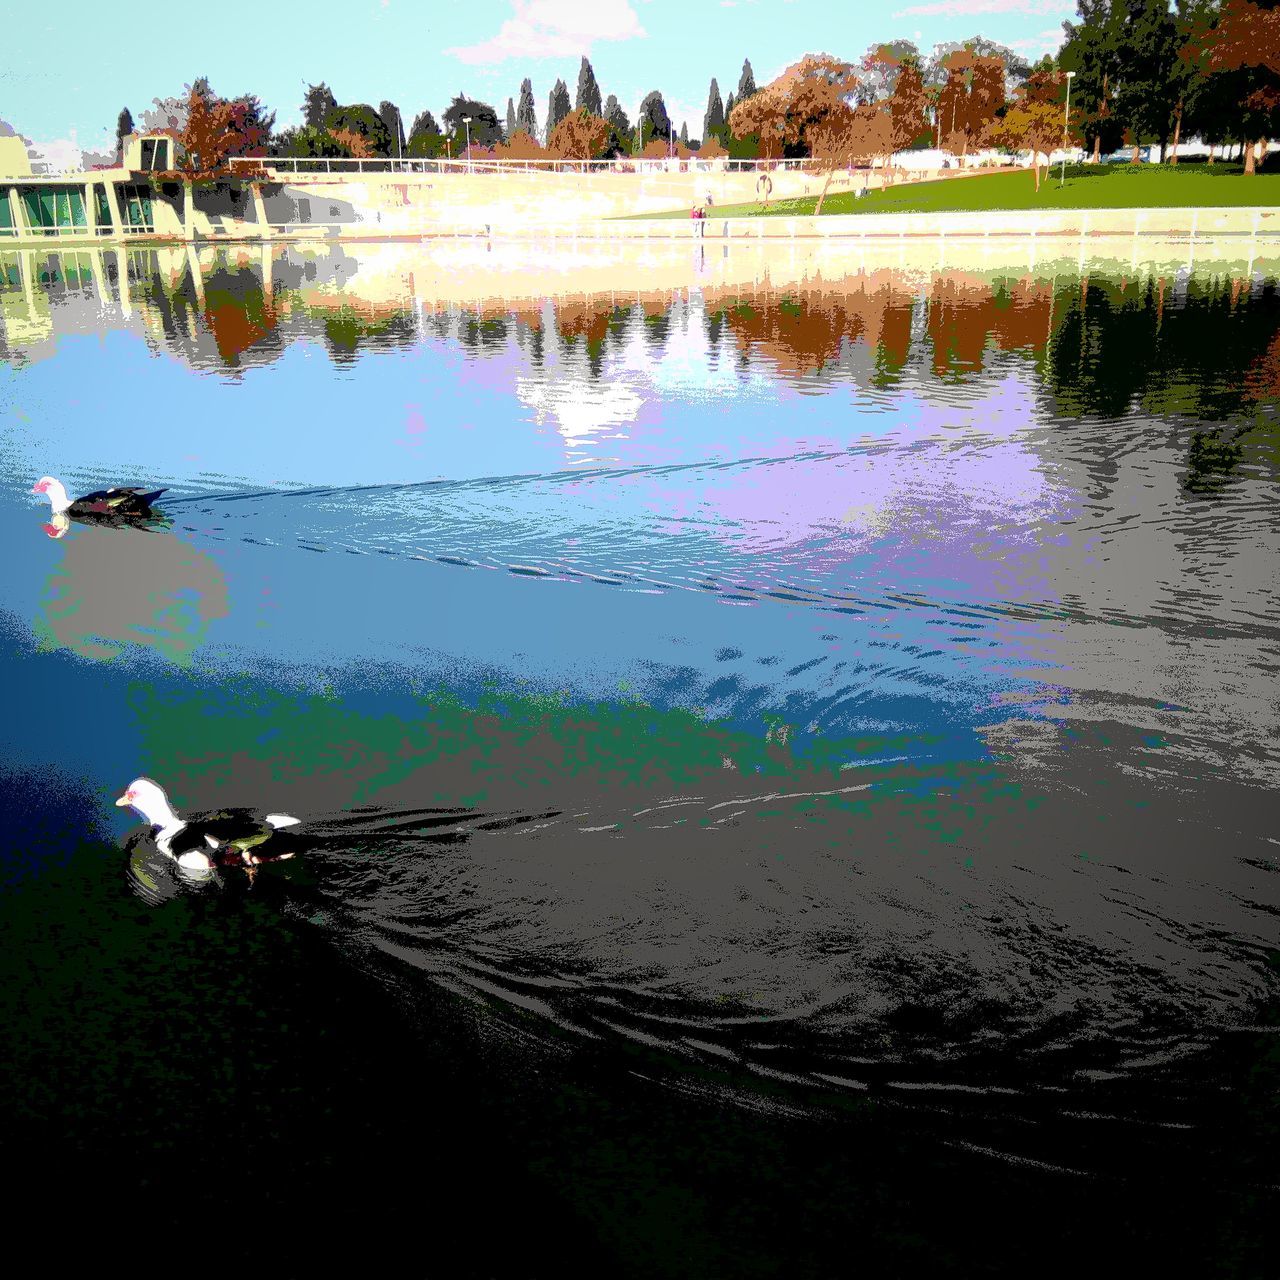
x: 1200, y: 223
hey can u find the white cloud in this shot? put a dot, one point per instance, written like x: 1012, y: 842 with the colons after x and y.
x: 554, y: 29
x: 968, y: 8
x: 1045, y: 42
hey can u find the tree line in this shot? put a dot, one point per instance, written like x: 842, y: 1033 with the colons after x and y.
x: 1139, y: 72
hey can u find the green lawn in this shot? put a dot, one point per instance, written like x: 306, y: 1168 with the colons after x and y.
x: 1106, y: 186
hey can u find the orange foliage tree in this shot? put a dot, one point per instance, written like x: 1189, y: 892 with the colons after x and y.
x: 847, y: 136
x: 1035, y: 126
x: 1246, y: 44
x: 208, y: 137
x: 520, y: 147
x: 788, y: 109
x: 579, y: 136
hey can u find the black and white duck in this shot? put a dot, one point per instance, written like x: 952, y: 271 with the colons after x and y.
x: 215, y: 838
x: 104, y: 506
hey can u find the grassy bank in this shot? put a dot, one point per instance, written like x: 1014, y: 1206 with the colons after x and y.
x: 1086, y: 187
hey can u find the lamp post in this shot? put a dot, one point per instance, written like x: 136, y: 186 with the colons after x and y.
x: 467, y: 121
x: 1066, y: 125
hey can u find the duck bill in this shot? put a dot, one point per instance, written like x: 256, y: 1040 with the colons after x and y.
x: 124, y: 800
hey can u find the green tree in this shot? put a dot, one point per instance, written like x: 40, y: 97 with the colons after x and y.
x: 307, y: 142
x: 1092, y: 50
x: 653, y: 121
x: 317, y: 104
x: 485, y: 131
x: 390, y: 116
x: 557, y: 106
x: 526, y: 118
x: 1244, y: 53
x: 364, y: 122
x: 713, y: 119
x: 510, y: 130
x: 426, y: 141
x: 619, y: 139
x: 588, y: 96
x: 746, y: 81
x: 124, y: 127
x: 1149, y: 48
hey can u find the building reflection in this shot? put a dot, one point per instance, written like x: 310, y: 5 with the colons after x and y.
x: 115, y: 588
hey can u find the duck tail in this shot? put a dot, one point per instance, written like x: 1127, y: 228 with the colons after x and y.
x: 149, y: 498
x: 279, y: 820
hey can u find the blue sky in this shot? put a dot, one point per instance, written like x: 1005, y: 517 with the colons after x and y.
x: 73, y: 68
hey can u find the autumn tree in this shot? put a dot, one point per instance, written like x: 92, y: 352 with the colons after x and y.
x: 251, y: 127
x: 520, y: 146
x: 1244, y: 48
x: 1034, y: 122
x: 908, y: 104
x: 579, y: 136
x: 588, y: 95
x: 846, y: 136
x: 880, y: 67
x: 207, y: 137
x: 783, y: 113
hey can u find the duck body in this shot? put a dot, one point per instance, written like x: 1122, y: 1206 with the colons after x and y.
x: 214, y: 838
x: 104, y: 506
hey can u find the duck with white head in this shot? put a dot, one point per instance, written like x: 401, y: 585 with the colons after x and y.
x: 104, y: 506
x: 213, y: 838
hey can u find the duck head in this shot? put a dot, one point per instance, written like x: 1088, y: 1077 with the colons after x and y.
x: 53, y: 490
x: 148, y: 799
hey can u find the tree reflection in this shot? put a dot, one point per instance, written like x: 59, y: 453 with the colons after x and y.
x: 117, y: 587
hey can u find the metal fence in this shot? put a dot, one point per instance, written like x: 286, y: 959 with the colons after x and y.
x: 344, y: 165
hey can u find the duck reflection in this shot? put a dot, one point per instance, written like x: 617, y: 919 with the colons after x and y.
x: 121, y: 587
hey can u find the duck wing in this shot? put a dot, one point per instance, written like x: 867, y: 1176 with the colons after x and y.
x: 226, y: 834
x: 116, y: 502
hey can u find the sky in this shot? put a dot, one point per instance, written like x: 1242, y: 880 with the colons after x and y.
x: 420, y: 53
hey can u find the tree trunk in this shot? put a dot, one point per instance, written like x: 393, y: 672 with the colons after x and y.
x: 1097, y: 148
x: 1250, y: 165
x: 1212, y: 145
x: 1177, y: 133
x: 1135, y: 158
x: 822, y: 195
x: 1035, y: 167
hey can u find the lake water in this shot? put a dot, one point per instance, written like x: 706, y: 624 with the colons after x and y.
x: 793, y: 759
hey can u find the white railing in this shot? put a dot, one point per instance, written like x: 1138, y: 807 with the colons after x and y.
x: 628, y: 164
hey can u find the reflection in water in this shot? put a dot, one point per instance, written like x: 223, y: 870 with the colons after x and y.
x: 847, y: 690
x: 118, y: 587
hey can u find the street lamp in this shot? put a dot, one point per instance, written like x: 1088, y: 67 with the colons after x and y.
x: 1066, y: 125
x: 467, y: 121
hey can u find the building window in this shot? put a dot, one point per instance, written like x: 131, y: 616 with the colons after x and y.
x: 155, y: 154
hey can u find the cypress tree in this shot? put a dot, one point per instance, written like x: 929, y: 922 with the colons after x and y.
x: 511, y: 118
x: 557, y: 105
x: 728, y: 110
x: 525, y: 116
x: 588, y: 90
x: 684, y: 133
x: 746, y: 82
x: 389, y: 114
x: 319, y: 102
x: 713, y: 121
x: 124, y: 125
